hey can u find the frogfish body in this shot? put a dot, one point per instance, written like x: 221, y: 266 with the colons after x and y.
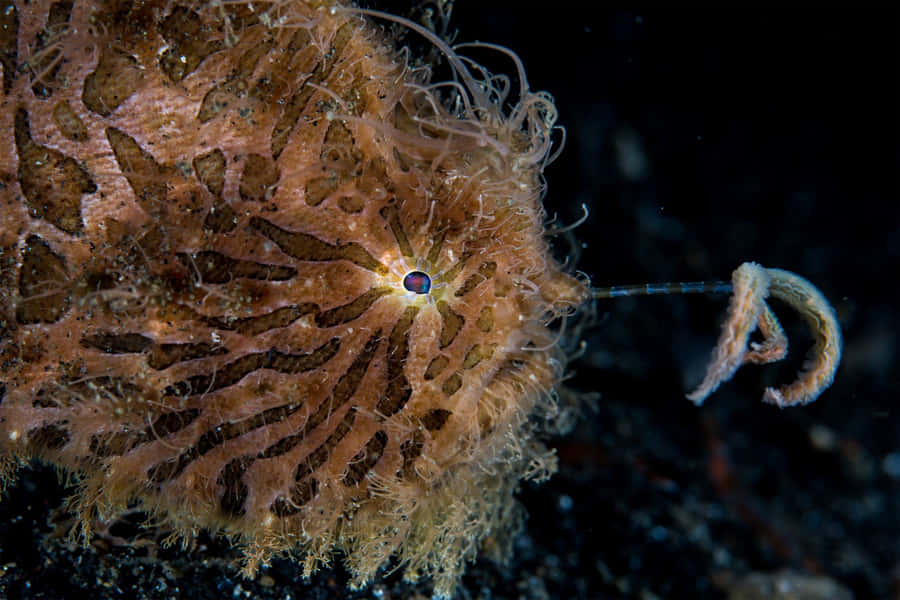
x: 260, y: 275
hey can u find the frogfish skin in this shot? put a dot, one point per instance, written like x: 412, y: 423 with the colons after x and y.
x: 259, y: 274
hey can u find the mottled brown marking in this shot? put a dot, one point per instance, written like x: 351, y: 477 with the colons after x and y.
x: 169, y: 423
x: 215, y: 101
x: 338, y: 43
x: 235, y: 89
x: 210, y: 168
x: 292, y: 111
x: 97, y: 281
x: 301, y: 493
x: 133, y: 19
x: 221, y: 218
x: 9, y: 258
x: 319, y: 188
x: 223, y: 377
x: 188, y: 44
x: 352, y: 310
x: 217, y: 436
x: 365, y: 459
x: 51, y: 182
x: 120, y: 442
x: 44, y: 398
x: 281, y: 317
x: 69, y: 123
x: 411, y: 449
x: 111, y: 444
x: 9, y: 47
x: 214, y: 267
x: 237, y: 369
x: 235, y: 490
x: 451, y: 323
x: 476, y: 354
x: 485, y: 272
x: 351, y: 204
x: 84, y: 391
x: 451, y: 273
x: 117, y: 343
x: 152, y: 242
x: 306, y: 247
x: 434, y: 419
x: 339, y: 148
x: 392, y: 216
x: 258, y: 178
x: 117, y: 76
x: 436, y: 367
x: 434, y: 252
x: 46, y: 57
x: 164, y: 356
x: 398, y: 387
x: 375, y: 180
x: 320, y: 455
x: 52, y: 437
x: 452, y: 384
x: 297, y: 103
x: 43, y: 284
x: 344, y: 390
x: 146, y: 177
x: 250, y: 59
x: 485, y: 320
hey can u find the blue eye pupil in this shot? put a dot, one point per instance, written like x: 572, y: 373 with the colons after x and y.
x: 418, y: 282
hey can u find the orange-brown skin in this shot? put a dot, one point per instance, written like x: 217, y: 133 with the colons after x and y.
x: 207, y: 215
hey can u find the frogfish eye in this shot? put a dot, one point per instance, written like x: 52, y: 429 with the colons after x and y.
x: 417, y: 281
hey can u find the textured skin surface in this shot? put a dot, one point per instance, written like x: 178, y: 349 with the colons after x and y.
x: 207, y: 218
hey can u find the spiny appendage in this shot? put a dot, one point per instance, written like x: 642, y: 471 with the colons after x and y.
x: 225, y: 333
x: 752, y: 285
